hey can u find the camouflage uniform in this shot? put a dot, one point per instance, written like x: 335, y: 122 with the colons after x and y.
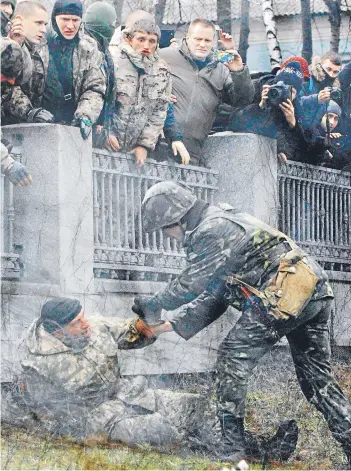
x: 219, y: 243
x: 143, y: 88
x: 89, y: 82
x: 79, y: 392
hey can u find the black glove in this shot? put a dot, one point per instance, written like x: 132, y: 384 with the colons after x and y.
x: 40, y: 115
x: 85, y: 126
x: 17, y: 172
x: 147, y: 308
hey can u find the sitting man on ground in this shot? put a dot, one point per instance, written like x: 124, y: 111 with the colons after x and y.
x: 68, y: 80
x: 71, y: 385
x: 143, y: 89
x: 201, y: 83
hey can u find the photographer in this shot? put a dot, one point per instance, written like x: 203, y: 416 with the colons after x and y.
x: 279, y: 114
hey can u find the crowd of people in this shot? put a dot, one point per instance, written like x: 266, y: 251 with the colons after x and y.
x: 82, y: 69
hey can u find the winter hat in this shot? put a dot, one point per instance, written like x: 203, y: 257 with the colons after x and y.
x: 59, y: 312
x: 291, y: 75
x: 67, y: 7
x: 145, y: 25
x: 100, y: 18
x: 303, y: 63
x: 333, y: 107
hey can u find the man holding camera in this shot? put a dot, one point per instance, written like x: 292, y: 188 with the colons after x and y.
x: 279, y: 114
x: 201, y: 81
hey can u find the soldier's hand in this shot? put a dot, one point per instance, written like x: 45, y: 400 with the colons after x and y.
x: 282, y: 158
x: 39, y: 115
x: 18, y: 174
x: 178, y: 146
x: 140, y: 155
x: 148, y: 308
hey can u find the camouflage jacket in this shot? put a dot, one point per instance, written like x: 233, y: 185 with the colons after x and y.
x: 228, y: 243
x: 81, y: 393
x: 143, y: 88
x: 89, y: 82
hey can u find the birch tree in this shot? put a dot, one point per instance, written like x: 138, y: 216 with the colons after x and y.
x: 275, y: 53
x: 244, y: 29
x: 334, y: 17
x: 224, y: 13
x: 306, y: 25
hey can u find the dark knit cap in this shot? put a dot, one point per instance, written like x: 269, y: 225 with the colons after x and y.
x: 291, y: 75
x: 59, y: 312
x: 67, y: 7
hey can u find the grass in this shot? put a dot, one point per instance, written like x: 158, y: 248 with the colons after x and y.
x: 270, y: 400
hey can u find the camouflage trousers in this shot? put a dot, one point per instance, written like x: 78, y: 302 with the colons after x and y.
x: 308, y: 337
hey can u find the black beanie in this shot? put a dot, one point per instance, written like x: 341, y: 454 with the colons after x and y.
x: 67, y: 7
x: 59, y: 312
x: 291, y: 75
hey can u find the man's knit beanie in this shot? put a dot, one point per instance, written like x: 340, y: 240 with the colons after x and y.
x: 59, y: 312
x: 303, y: 64
x: 67, y: 7
x: 291, y: 75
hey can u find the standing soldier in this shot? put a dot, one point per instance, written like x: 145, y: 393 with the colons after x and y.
x: 235, y: 259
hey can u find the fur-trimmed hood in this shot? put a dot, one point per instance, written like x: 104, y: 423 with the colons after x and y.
x: 318, y: 73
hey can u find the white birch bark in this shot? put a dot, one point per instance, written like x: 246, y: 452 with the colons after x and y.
x: 275, y: 53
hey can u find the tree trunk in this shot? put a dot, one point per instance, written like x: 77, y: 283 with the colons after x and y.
x: 118, y: 4
x: 244, y: 29
x: 275, y: 53
x: 160, y: 11
x: 306, y: 25
x: 334, y: 17
x: 224, y: 13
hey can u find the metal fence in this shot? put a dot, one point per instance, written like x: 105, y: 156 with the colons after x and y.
x: 315, y: 210
x: 10, y: 266
x: 122, y: 249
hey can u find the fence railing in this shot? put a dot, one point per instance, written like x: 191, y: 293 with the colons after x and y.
x: 315, y: 210
x: 10, y: 267
x: 122, y: 249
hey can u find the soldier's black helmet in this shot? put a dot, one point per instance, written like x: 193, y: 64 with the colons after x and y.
x: 165, y: 204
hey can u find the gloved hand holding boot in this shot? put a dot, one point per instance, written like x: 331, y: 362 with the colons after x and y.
x: 137, y: 335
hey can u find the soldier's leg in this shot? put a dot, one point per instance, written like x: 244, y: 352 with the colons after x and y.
x: 238, y: 354
x: 310, y: 348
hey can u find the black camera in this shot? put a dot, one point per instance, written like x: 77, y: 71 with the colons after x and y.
x: 336, y: 94
x: 278, y: 93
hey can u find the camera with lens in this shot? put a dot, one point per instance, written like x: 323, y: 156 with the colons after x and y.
x: 278, y: 93
x: 336, y: 94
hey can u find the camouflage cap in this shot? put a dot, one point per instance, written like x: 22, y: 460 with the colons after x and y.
x: 11, y: 58
x: 165, y: 204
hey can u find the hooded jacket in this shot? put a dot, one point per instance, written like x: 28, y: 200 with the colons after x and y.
x: 200, y: 92
x: 89, y: 82
x: 143, y: 88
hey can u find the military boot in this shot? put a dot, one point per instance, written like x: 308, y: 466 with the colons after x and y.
x: 283, y: 444
x: 233, y: 441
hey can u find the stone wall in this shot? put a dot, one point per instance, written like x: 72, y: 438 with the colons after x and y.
x: 54, y: 224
